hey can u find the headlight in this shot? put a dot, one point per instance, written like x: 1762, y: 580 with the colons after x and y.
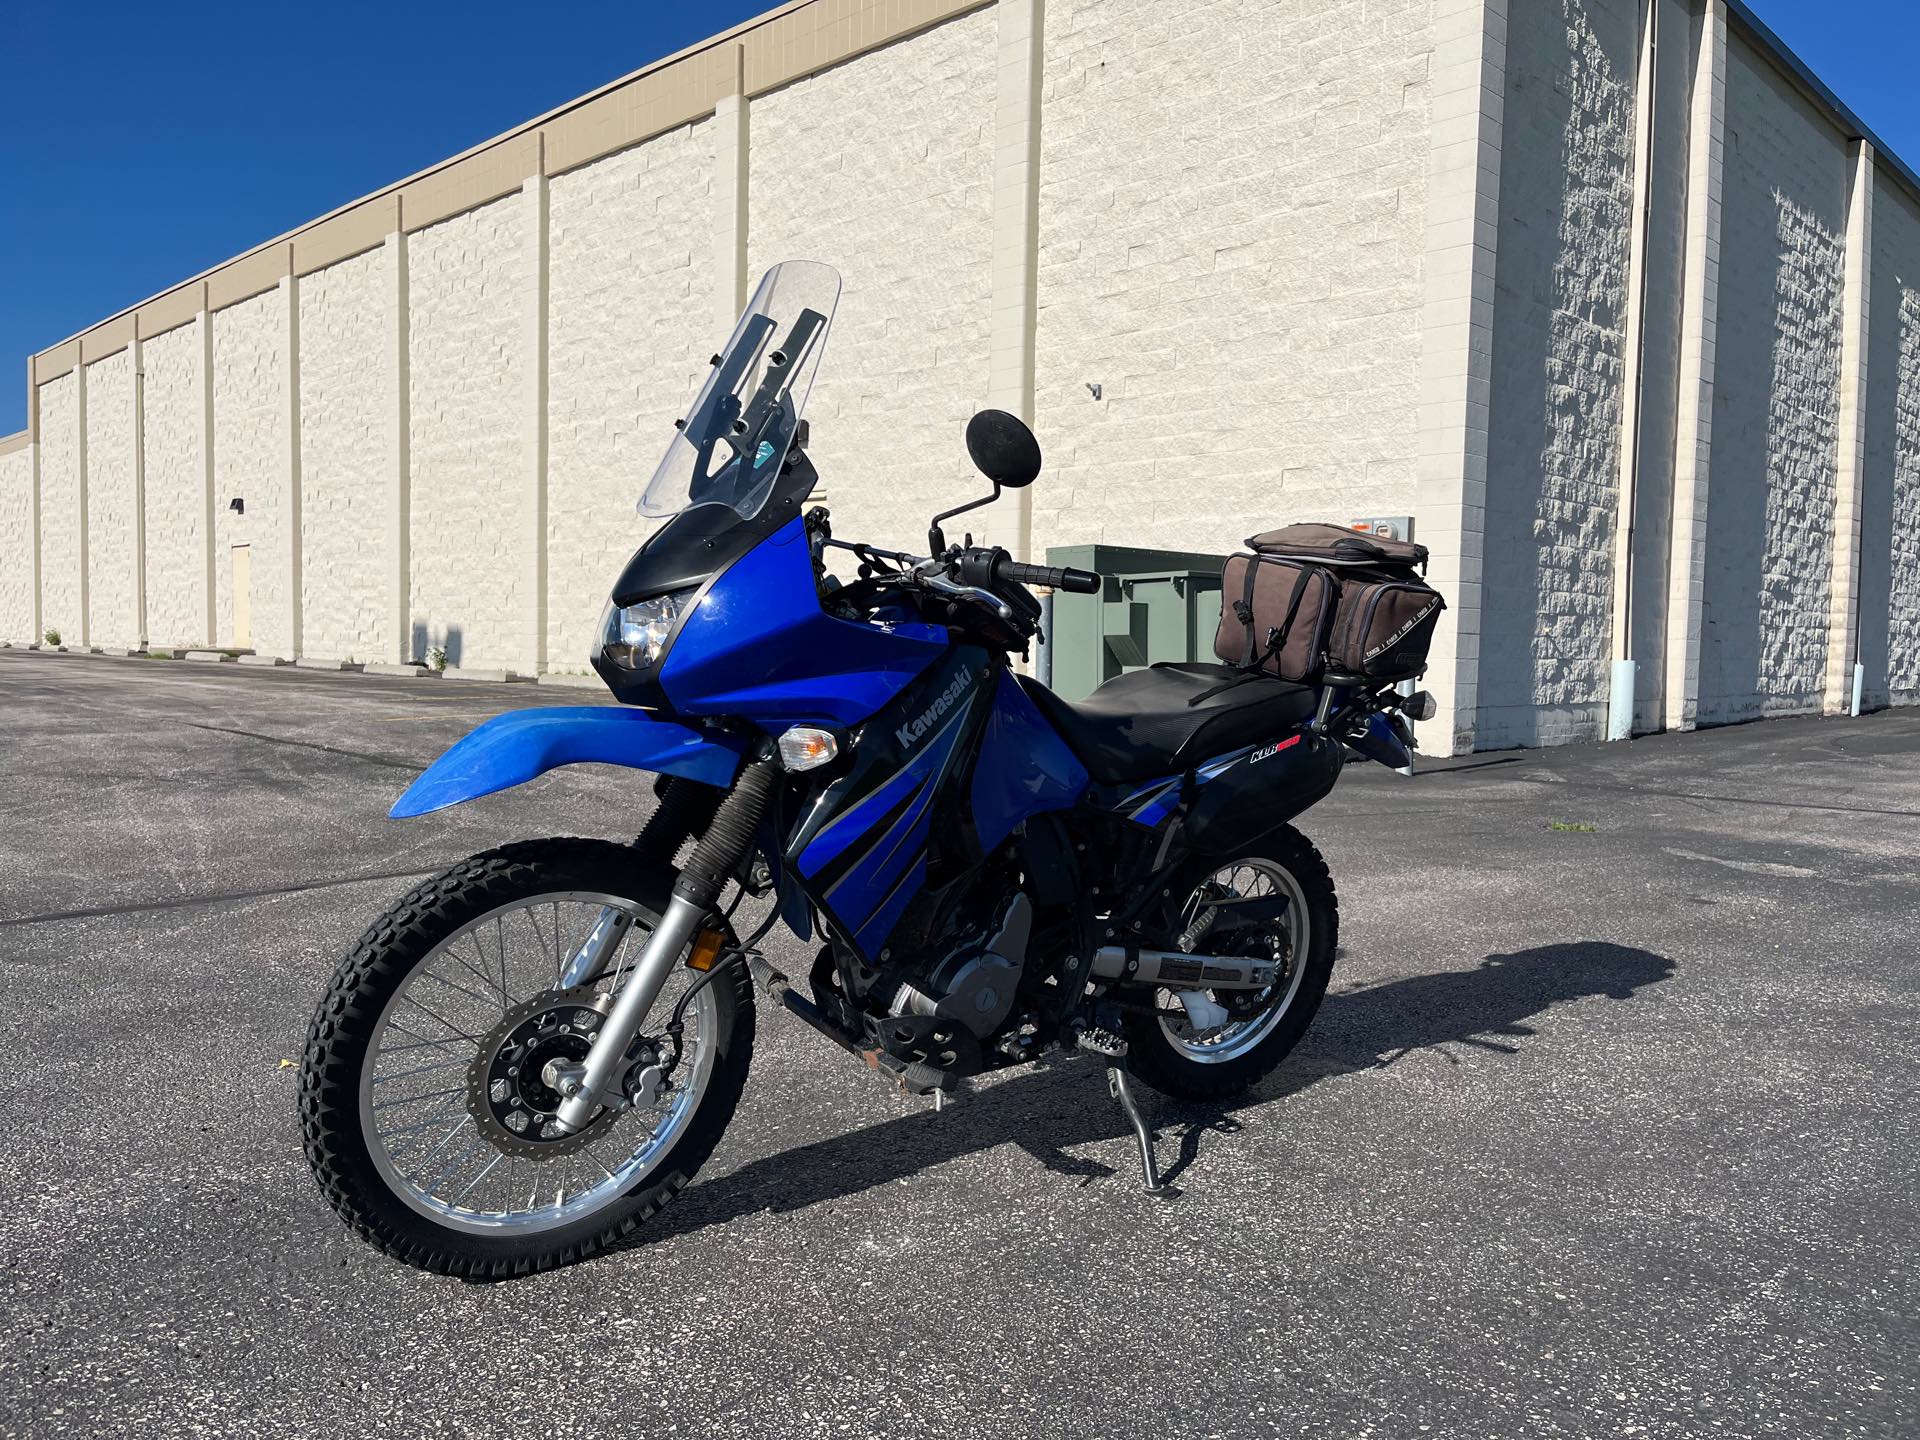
x: 634, y: 636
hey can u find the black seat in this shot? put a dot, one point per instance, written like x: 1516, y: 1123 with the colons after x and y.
x: 1141, y: 725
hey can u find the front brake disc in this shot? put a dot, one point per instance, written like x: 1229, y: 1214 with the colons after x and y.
x: 508, y: 1093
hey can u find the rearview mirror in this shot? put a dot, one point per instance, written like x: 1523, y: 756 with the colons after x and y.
x: 1003, y: 448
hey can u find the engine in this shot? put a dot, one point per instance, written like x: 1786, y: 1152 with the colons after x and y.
x: 971, y: 984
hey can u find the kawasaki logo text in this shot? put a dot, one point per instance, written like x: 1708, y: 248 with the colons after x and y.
x: 927, y: 718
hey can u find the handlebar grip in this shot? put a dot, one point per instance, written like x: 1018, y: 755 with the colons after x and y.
x: 1083, y: 582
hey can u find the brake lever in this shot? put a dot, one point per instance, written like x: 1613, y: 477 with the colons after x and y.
x: 941, y: 585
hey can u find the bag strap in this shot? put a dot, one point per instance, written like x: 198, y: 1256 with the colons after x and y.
x: 1276, y: 635
x: 1293, y: 609
x: 1243, y: 607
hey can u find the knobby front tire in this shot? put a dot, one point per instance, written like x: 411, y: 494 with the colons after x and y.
x: 448, y: 937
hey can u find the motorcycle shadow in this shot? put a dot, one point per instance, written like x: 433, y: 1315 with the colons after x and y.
x: 1047, y: 1110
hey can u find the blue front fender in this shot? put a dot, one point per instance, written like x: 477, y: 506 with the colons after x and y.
x: 511, y: 749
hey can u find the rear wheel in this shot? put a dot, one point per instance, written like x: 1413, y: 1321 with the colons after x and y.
x: 427, y: 1097
x: 1290, y: 914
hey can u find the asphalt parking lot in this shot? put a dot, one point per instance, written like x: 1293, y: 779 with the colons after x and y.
x: 1602, y: 1131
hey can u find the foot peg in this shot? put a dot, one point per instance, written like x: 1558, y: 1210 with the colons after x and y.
x: 1121, y: 1089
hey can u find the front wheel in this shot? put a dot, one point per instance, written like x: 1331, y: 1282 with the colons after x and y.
x: 1276, y: 901
x: 425, y: 1099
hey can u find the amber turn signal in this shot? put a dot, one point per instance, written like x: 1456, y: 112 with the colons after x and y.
x: 706, y: 949
x: 805, y: 747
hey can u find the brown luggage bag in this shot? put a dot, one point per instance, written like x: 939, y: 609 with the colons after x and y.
x: 1316, y: 601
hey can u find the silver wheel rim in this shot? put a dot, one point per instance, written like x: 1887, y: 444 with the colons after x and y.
x: 1245, y: 878
x: 413, y: 1084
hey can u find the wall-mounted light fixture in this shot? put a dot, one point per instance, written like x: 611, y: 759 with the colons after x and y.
x: 237, y: 505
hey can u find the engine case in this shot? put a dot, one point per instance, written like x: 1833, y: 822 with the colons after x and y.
x: 973, y: 986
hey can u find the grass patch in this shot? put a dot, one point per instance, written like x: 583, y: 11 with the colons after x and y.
x: 1577, y: 827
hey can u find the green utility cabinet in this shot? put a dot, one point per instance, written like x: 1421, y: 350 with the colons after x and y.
x: 1154, y: 605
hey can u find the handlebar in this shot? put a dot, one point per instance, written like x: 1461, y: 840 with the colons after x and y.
x: 1080, y: 582
x: 989, y: 577
x: 984, y: 567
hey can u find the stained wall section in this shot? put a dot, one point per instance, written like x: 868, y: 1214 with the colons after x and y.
x: 631, y: 320
x: 470, y: 414
x: 1776, y: 400
x: 347, y: 466
x: 173, y: 442
x: 882, y: 168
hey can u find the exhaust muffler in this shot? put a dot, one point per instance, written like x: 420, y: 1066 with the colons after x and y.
x: 1178, y: 970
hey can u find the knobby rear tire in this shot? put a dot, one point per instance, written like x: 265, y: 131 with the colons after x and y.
x: 347, y: 1019
x: 1160, y: 1063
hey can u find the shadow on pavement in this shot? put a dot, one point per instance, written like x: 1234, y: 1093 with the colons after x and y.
x: 1065, y: 1104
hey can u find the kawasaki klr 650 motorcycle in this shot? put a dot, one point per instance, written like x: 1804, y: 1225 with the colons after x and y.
x: 527, y: 1056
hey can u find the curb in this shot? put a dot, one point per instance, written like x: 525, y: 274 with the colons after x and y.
x: 387, y: 669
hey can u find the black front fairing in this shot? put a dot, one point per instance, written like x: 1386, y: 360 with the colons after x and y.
x: 704, y: 539
x: 693, y: 549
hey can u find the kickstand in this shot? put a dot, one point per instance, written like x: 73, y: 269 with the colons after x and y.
x: 1122, y: 1090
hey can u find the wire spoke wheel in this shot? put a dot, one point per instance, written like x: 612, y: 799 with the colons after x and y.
x: 437, y: 1054
x: 1273, y: 901
x: 458, y: 1114
x: 1252, y: 1015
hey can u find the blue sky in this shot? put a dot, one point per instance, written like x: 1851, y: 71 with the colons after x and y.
x: 147, y: 142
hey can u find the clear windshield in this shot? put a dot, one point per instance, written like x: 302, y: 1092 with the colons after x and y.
x: 733, y: 440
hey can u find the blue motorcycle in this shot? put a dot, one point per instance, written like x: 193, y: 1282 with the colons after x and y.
x: 528, y: 1056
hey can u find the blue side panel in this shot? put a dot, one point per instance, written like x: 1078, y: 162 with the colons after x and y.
x: 513, y: 748
x: 758, y: 645
x: 1156, y: 804
x: 886, y: 836
x: 1024, y: 767
x: 871, y: 896
x: 1152, y: 801
x: 873, y: 934
x: 854, y: 823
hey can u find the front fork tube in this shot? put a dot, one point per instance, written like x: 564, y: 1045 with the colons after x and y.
x: 590, y: 960
x: 715, y: 857
x: 650, y: 973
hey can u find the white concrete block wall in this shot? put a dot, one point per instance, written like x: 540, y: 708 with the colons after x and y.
x: 1237, y: 238
x: 60, y: 593
x: 16, y: 547
x: 467, y: 279
x: 882, y: 167
x: 1776, y: 400
x: 250, y: 463
x: 346, y: 460
x: 176, y: 489
x: 113, y: 604
x: 631, y: 322
x: 1890, y: 540
x: 1559, y: 342
x: 1232, y: 221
